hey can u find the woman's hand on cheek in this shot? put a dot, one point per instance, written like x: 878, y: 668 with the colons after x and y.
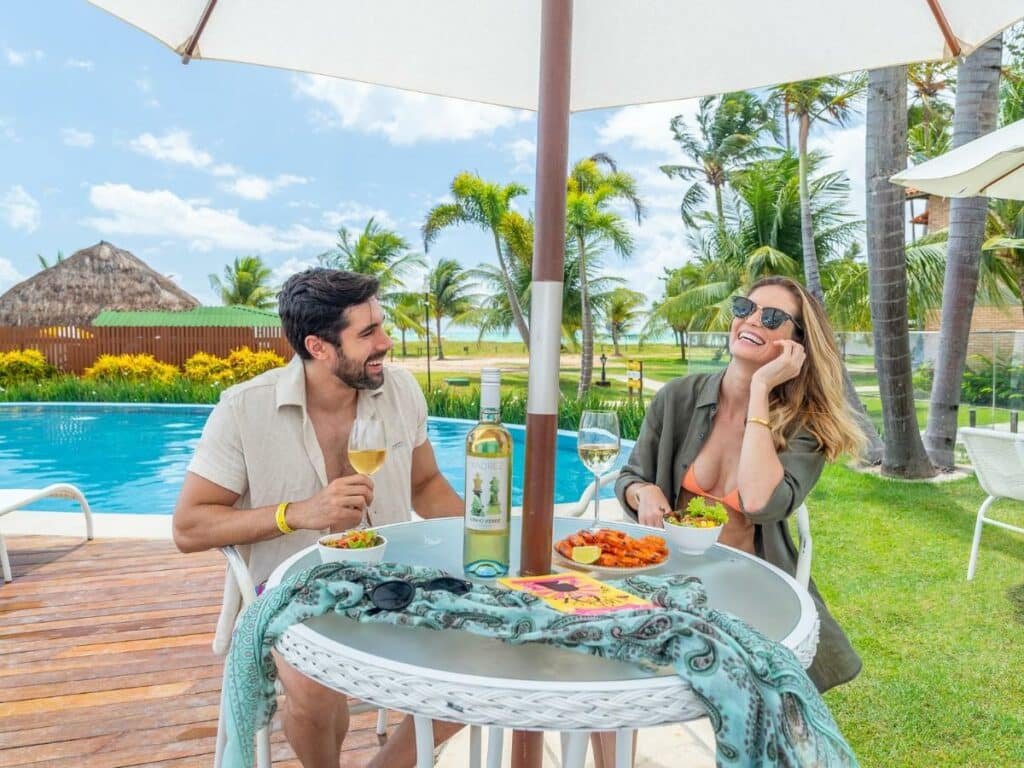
x: 787, y: 365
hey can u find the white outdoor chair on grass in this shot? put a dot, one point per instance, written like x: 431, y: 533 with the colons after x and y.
x: 803, y: 524
x: 998, y: 459
x: 247, y: 589
x: 12, y: 499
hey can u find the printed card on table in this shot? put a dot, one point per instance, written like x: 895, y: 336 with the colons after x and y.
x: 576, y: 593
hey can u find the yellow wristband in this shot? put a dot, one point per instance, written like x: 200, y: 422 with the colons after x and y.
x: 282, y: 524
x: 758, y: 420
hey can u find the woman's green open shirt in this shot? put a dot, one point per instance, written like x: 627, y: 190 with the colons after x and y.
x: 677, y: 423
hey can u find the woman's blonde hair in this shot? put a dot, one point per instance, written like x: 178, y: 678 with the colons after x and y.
x: 815, y: 400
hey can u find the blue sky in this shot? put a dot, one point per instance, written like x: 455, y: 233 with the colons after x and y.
x: 104, y: 134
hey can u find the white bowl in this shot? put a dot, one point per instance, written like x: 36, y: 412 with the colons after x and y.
x: 337, y: 555
x: 692, y: 541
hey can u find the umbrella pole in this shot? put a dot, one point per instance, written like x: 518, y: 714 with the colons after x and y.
x: 545, y: 312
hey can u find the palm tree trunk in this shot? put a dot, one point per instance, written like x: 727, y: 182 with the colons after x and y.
x: 404, y: 353
x: 682, y: 346
x: 719, y: 208
x: 886, y: 154
x: 586, y: 326
x: 615, y: 342
x: 977, y: 101
x: 513, y: 299
x: 812, y: 276
x: 437, y: 321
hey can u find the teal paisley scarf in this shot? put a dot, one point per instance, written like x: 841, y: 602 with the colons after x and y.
x: 763, y: 708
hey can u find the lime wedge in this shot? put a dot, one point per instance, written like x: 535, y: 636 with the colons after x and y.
x: 586, y: 555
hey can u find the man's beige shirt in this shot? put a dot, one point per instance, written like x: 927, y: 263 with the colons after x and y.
x: 260, y: 443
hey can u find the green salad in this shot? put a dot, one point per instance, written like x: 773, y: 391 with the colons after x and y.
x: 699, y: 513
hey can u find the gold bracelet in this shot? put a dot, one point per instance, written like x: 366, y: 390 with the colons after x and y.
x: 759, y: 420
x: 282, y: 524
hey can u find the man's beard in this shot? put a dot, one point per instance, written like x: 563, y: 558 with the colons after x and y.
x: 355, y: 374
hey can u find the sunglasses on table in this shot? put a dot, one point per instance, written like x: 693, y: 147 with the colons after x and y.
x: 397, y: 594
x: 771, y: 317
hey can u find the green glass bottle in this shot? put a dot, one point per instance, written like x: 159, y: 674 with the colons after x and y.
x: 485, y: 550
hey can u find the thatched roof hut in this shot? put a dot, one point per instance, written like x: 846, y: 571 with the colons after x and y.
x: 77, y: 289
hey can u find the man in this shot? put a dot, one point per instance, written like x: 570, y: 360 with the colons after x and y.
x: 271, y: 472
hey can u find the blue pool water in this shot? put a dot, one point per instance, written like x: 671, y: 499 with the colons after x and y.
x: 133, y: 458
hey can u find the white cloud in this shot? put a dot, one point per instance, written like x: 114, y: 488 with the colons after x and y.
x: 289, y: 267
x: 160, y: 213
x: 845, y: 148
x: 174, y: 147
x: 224, y: 169
x: 20, y: 210
x: 7, y: 129
x: 86, y: 64
x: 260, y: 188
x: 524, y: 152
x: 8, y: 274
x: 351, y: 214
x: 144, y: 84
x: 646, y: 126
x: 76, y: 138
x: 21, y: 58
x: 400, y: 116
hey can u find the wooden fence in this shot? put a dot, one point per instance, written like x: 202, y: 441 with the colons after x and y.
x: 72, y: 349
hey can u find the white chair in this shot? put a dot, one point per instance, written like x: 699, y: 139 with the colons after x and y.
x: 998, y: 459
x: 240, y: 572
x: 803, y: 524
x: 12, y: 499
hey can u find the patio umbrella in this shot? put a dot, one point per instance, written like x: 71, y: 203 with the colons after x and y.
x: 989, y: 166
x: 556, y: 58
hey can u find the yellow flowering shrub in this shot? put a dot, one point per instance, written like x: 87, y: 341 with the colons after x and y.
x: 246, y: 363
x: 204, y: 368
x: 24, y: 365
x: 141, y: 369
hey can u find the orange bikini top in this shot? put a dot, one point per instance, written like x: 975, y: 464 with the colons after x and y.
x: 730, y: 500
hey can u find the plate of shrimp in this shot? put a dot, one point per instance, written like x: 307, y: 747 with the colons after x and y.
x: 621, y: 554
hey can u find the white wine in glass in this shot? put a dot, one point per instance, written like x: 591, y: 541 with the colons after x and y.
x: 597, y: 442
x: 367, y: 449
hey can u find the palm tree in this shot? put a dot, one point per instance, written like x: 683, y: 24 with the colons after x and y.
x: 622, y: 311
x: 886, y: 155
x: 488, y: 206
x: 379, y: 252
x: 592, y: 227
x: 664, y: 315
x: 451, y: 296
x: 1003, y: 249
x: 830, y: 100
x: 930, y: 115
x: 245, y: 283
x: 406, y: 313
x: 729, y: 127
x: 977, y: 102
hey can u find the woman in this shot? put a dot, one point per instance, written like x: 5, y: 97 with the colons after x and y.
x: 755, y: 437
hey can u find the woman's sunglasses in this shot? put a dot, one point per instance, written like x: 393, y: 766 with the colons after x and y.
x: 771, y: 317
x: 396, y: 594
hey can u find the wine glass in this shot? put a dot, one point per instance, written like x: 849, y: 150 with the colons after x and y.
x: 597, y: 442
x: 367, y: 449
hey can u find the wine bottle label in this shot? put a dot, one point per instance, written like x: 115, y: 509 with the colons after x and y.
x: 487, y: 493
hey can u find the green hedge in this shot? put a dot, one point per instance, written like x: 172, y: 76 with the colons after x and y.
x: 458, y: 404
x: 982, y: 377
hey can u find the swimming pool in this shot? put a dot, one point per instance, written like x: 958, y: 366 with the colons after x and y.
x: 132, y: 458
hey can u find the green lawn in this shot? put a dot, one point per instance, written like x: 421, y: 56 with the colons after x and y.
x: 943, y: 679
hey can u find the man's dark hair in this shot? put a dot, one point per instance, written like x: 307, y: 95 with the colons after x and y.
x: 313, y: 303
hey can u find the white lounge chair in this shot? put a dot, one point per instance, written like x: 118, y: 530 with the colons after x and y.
x: 803, y: 524
x: 998, y: 459
x: 12, y: 499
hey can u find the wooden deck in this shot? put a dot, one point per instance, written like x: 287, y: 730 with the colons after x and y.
x: 105, y: 658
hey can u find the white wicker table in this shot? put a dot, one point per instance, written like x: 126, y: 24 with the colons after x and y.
x: 481, y: 681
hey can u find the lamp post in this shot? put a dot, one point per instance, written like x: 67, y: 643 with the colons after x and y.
x: 426, y: 326
x: 604, y: 379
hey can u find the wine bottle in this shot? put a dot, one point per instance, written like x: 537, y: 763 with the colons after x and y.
x: 485, y: 550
